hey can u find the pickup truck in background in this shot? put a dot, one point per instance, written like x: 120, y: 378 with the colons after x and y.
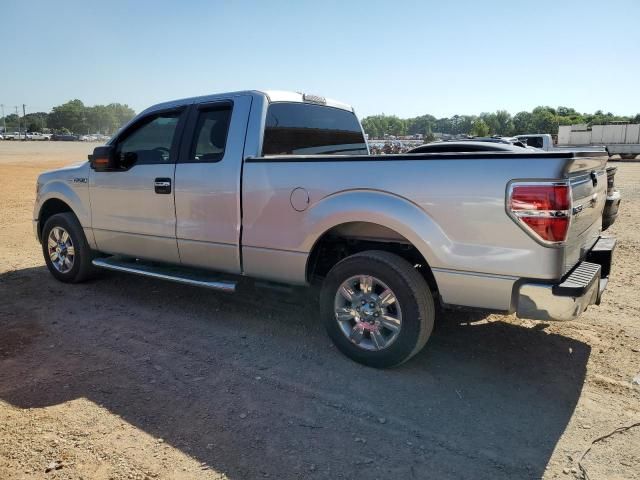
x: 38, y: 136
x: 27, y: 136
x: 280, y: 186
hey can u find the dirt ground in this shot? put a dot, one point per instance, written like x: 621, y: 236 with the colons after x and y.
x: 124, y: 377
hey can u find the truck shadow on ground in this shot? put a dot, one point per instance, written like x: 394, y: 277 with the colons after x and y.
x: 250, y: 384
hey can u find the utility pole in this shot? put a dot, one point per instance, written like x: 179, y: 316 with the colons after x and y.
x: 24, y: 114
x: 17, y: 115
x: 4, y: 120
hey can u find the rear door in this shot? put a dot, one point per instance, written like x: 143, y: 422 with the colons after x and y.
x: 207, y: 184
x: 133, y: 210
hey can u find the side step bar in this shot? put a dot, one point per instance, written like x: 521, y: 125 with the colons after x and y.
x: 173, y: 274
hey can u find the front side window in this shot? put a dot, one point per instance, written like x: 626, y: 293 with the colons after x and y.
x: 210, y: 134
x: 307, y: 129
x: 149, y: 142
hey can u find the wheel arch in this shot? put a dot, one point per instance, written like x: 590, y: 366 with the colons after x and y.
x: 50, y: 207
x: 356, y: 236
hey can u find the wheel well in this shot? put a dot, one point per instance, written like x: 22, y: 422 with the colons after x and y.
x: 49, y: 208
x: 348, y: 238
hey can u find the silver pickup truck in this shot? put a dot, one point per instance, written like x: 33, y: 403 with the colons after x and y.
x: 280, y: 186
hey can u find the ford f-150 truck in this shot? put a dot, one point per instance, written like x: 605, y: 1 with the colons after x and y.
x: 280, y: 186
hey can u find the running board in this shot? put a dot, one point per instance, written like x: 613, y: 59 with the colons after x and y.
x: 163, y: 272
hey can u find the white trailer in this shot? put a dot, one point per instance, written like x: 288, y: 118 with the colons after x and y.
x: 618, y: 139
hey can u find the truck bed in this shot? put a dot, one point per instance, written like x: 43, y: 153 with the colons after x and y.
x: 450, y: 206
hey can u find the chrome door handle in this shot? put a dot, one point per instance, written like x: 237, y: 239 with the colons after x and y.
x: 162, y: 185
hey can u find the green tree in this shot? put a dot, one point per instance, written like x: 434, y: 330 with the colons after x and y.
x: 544, y: 120
x: 122, y: 114
x: 70, y: 115
x: 35, y: 122
x: 12, y: 120
x: 377, y: 126
x: 491, y: 121
x: 480, y: 128
x: 504, y: 123
x: 522, y: 123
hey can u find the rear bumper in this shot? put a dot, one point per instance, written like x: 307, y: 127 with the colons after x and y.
x: 566, y: 300
x: 610, y: 212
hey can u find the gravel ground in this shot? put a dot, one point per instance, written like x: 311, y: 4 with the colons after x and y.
x: 124, y: 377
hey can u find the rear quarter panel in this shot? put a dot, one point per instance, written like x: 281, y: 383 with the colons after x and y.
x: 452, y: 209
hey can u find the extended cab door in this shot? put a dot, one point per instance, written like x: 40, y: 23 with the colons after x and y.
x: 207, y: 184
x: 133, y: 209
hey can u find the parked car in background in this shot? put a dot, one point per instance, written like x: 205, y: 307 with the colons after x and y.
x: 38, y: 136
x: 467, y: 146
x: 64, y: 137
x: 281, y: 187
x: 12, y: 135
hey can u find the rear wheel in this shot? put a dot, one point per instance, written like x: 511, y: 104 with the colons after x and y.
x: 65, y: 248
x: 377, y: 308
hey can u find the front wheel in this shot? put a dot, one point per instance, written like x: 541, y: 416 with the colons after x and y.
x: 377, y: 308
x: 65, y: 248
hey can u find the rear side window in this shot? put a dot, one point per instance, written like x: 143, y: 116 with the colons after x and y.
x: 305, y: 129
x: 210, y: 134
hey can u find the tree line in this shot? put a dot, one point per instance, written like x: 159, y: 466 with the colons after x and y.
x: 73, y: 117
x: 539, y: 120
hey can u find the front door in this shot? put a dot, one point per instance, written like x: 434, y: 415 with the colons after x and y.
x: 133, y: 209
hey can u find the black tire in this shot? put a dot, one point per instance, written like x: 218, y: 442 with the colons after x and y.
x: 82, y: 268
x: 411, y: 291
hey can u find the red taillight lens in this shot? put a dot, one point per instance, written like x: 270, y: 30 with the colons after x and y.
x: 550, y: 229
x: 544, y: 209
x: 540, y: 197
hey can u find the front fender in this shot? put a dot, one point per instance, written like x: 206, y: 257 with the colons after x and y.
x: 69, y: 185
x: 60, y: 190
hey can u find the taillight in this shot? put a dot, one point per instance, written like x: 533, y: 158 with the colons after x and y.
x: 542, y: 209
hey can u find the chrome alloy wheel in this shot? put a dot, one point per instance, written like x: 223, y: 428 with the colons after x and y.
x: 61, y: 250
x: 368, y: 312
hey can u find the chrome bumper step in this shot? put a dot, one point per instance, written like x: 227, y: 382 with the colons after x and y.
x: 182, y: 275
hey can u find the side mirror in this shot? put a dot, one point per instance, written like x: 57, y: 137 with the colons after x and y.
x: 104, y: 159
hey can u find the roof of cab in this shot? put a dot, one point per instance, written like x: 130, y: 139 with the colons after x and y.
x: 271, y: 95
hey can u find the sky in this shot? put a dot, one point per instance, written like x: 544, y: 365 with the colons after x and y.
x: 404, y: 58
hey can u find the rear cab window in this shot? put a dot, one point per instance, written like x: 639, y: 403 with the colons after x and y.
x: 309, y: 129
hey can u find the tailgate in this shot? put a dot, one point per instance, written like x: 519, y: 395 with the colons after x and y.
x: 589, y: 193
